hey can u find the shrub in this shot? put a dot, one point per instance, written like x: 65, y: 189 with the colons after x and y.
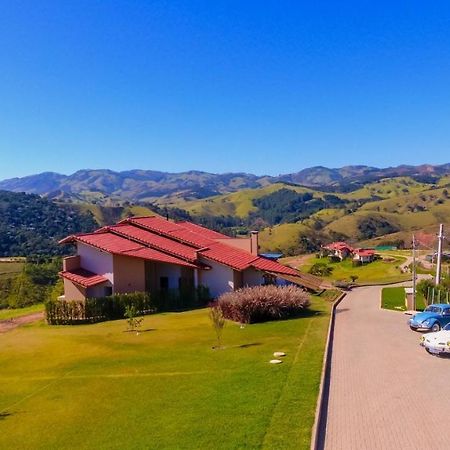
x: 262, y: 303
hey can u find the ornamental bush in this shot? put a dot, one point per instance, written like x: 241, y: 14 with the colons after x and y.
x: 263, y: 303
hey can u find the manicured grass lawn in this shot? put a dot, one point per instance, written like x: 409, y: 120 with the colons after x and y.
x: 375, y: 272
x: 96, y: 386
x: 394, y: 298
x: 9, y: 313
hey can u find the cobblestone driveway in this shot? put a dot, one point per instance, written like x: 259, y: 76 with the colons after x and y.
x: 385, y: 391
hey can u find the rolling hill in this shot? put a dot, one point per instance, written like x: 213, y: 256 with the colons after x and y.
x: 387, y: 210
x: 103, y: 185
x: 355, y: 203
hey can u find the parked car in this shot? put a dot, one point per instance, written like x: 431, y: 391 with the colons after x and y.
x: 434, y: 318
x: 437, y: 343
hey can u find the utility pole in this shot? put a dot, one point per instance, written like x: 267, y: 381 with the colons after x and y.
x: 414, y: 272
x: 439, y: 254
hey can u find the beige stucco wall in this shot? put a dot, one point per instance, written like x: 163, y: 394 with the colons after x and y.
x: 129, y: 274
x: 241, y: 243
x: 73, y: 292
x: 238, y: 279
x: 71, y: 262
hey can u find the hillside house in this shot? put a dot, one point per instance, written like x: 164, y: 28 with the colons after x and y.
x: 340, y: 250
x: 152, y: 254
x: 363, y: 255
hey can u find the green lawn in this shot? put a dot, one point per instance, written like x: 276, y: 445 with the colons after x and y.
x: 10, y: 313
x: 96, y: 386
x: 394, y: 298
x: 375, y: 272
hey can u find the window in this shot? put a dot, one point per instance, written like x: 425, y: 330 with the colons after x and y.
x: 107, y: 291
x: 269, y: 279
x: 164, y: 283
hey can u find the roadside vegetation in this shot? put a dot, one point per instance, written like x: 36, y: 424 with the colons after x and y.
x: 27, y: 283
x: 164, y: 386
x: 394, y: 297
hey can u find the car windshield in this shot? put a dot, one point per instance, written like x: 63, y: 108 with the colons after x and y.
x: 433, y: 309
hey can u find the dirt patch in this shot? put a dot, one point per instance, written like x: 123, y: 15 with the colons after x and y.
x: 10, y: 324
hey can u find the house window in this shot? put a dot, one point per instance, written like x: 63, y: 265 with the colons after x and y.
x: 107, y: 291
x: 164, y: 283
x: 269, y: 279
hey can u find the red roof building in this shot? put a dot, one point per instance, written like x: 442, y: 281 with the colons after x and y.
x: 339, y: 249
x: 152, y: 254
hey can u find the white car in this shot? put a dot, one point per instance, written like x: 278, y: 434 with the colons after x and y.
x: 437, y: 343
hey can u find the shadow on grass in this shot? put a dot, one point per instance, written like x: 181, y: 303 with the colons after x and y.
x: 252, y: 344
x: 4, y: 415
x: 140, y: 331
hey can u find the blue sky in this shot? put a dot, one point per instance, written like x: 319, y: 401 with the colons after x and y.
x: 264, y: 87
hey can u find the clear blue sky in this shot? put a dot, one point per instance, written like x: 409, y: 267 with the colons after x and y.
x: 266, y: 87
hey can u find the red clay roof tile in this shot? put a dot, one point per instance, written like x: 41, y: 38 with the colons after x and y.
x: 83, y: 277
x: 161, y: 240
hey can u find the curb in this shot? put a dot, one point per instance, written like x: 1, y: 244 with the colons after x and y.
x: 320, y: 416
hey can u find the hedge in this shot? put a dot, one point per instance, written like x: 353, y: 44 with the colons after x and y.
x: 91, y: 310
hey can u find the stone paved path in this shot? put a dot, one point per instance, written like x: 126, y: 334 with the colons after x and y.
x: 386, y: 392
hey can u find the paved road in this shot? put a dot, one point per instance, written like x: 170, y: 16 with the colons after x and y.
x: 385, y: 391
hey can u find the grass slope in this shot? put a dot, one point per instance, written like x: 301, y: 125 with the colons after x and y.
x: 394, y: 298
x: 95, y: 386
x: 19, y: 312
x: 10, y: 269
x: 238, y: 203
x: 379, y: 271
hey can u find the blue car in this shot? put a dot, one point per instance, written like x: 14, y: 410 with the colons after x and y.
x: 434, y: 318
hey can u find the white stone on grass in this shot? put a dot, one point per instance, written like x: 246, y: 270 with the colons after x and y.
x: 275, y: 361
x: 279, y: 354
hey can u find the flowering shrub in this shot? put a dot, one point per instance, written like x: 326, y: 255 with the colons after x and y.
x: 262, y: 303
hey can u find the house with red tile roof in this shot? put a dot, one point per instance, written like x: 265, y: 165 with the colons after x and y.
x: 339, y: 249
x: 152, y: 254
x: 342, y: 250
x: 363, y: 255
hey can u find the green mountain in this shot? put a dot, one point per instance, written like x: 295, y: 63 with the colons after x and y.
x: 31, y: 225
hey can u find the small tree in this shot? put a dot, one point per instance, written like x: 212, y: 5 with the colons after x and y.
x: 134, y: 323
x: 218, y: 322
x: 353, y: 278
x: 320, y: 269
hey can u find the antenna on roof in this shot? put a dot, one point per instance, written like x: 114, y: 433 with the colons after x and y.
x: 166, y: 213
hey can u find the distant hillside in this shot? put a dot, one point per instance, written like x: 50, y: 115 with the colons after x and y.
x: 110, y: 188
x: 101, y: 186
x: 294, y: 219
x: 349, y: 178
x: 31, y: 225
